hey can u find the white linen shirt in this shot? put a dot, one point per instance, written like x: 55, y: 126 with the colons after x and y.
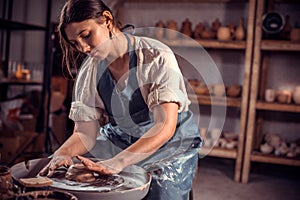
x: 158, y: 75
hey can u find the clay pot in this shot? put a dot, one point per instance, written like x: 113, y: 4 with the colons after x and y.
x: 222, y: 142
x: 270, y: 95
x: 201, y: 89
x: 207, y: 34
x: 216, y: 25
x: 234, y: 90
x: 18, y: 73
x: 224, y: 34
x: 231, y: 144
x: 219, y: 90
x: 171, y: 33
x: 198, y: 30
x: 274, y: 140
x: 266, y: 148
x: 296, y: 95
x: 295, y: 35
x: 240, y: 32
x: 284, y: 96
x: 186, y: 27
x: 159, y: 31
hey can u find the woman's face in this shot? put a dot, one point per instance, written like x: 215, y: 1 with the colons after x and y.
x: 89, y: 37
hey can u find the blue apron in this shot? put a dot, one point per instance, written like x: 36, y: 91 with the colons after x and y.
x: 173, y: 165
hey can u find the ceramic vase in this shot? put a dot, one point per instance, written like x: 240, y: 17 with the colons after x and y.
x: 240, y: 32
x: 198, y: 30
x: 186, y: 27
x: 171, y: 33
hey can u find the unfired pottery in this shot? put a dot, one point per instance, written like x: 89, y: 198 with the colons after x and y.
x: 273, y: 139
x: 224, y: 34
x: 240, y: 32
x: 159, y: 31
x: 171, y: 33
x: 296, y: 95
x: 216, y: 25
x: 266, y: 148
x: 186, y: 27
x: 234, y: 90
x: 219, y: 90
x: 198, y: 30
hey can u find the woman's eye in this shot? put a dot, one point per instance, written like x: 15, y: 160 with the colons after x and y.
x: 86, y: 36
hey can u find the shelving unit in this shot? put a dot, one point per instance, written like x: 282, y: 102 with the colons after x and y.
x: 7, y: 26
x: 240, y: 103
x: 263, y: 50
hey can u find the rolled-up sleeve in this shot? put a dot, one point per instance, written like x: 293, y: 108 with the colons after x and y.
x: 86, y: 103
x: 165, y: 80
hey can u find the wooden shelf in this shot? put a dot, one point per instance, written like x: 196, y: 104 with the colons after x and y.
x: 12, y: 25
x: 215, y: 44
x: 279, y: 45
x: 219, y: 152
x: 260, y: 105
x: 20, y: 82
x: 217, y: 101
x: 259, y: 157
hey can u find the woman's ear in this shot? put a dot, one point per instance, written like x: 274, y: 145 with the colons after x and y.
x: 107, y: 16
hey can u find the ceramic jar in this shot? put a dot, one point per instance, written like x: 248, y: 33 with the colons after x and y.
x: 159, y: 30
x: 296, y: 95
x: 186, y: 27
x: 216, y: 25
x: 224, y: 33
x: 198, y: 30
x: 171, y: 32
x: 234, y: 90
x: 240, y: 32
x: 270, y: 95
x: 219, y: 90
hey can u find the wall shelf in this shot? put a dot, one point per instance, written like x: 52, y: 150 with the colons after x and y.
x: 13, y: 25
x: 260, y: 105
x: 215, y: 44
x: 219, y: 152
x: 20, y: 82
x: 217, y: 101
x: 264, y: 158
x: 262, y: 54
x: 279, y: 45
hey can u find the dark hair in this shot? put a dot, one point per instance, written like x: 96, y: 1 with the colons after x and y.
x: 77, y: 11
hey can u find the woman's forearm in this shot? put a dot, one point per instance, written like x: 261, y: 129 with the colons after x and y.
x: 81, y: 141
x: 145, y: 146
x: 152, y: 140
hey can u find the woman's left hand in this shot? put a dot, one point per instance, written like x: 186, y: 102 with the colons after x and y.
x: 102, y: 167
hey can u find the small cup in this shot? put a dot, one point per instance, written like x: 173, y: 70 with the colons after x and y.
x: 284, y: 96
x: 270, y: 95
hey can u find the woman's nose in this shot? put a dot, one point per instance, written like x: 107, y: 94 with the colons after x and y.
x: 84, y: 48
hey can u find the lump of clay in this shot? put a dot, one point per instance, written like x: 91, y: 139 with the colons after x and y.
x: 79, y: 173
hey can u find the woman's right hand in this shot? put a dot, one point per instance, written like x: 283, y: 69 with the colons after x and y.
x: 56, y: 162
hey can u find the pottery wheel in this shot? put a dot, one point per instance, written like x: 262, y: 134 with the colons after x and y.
x: 102, y: 183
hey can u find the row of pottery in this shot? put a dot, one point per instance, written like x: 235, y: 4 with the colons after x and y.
x: 217, y: 30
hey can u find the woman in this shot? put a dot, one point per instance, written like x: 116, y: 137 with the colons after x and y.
x: 136, y: 84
